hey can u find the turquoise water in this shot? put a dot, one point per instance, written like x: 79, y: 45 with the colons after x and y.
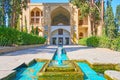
x: 89, y: 74
x: 29, y: 73
x: 60, y: 56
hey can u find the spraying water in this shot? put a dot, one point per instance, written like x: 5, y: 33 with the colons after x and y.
x: 59, y: 52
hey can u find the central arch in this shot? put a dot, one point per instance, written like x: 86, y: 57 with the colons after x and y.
x: 60, y: 16
x: 60, y: 26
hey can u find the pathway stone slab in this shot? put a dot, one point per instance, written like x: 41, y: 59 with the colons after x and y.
x: 5, y: 73
x: 93, y: 55
x: 114, y: 75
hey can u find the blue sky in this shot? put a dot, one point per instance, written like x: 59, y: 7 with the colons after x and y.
x: 50, y: 1
x: 114, y: 2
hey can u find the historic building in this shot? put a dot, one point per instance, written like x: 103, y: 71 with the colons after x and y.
x: 58, y: 22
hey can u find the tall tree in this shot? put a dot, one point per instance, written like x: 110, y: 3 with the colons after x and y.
x: 117, y: 17
x: 17, y: 11
x: 110, y: 22
x: 91, y: 8
x: 11, y: 9
x: 2, y: 12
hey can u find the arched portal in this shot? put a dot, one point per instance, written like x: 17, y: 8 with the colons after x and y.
x: 60, y: 16
x: 60, y: 36
x: 60, y: 26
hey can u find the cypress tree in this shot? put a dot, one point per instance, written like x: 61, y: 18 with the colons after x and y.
x: 110, y: 27
x: 117, y: 17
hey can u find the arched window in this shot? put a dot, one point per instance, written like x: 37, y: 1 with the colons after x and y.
x: 60, y: 31
x: 81, y: 34
x: 37, y: 13
x: 32, y: 13
x: 37, y: 20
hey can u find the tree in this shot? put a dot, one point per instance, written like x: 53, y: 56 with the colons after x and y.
x: 91, y: 8
x: 32, y: 31
x: 11, y: 9
x: 117, y: 17
x: 110, y: 27
x: 17, y: 11
x: 36, y: 31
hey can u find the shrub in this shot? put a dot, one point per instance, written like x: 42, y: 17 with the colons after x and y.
x: 115, y: 45
x: 9, y: 36
x: 93, y: 41
x: 104, y: 42
x: 83, y: 41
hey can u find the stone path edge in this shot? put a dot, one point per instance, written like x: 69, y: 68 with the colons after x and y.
x: 17, y: 48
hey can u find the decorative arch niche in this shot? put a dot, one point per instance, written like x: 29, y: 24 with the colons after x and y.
x: 60, y: 15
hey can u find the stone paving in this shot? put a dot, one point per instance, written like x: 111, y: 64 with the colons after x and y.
x: 114, y: 75
x: 10, y: 61
x: 93, y: 55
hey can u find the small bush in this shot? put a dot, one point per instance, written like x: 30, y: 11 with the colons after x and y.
x: 83, y: 41
x: 115, y: 45
x: 93, y: 41
x: 104, y: 42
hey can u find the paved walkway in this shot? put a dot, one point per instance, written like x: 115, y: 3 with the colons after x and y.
x: 93, y: 55
x: 10, y: 61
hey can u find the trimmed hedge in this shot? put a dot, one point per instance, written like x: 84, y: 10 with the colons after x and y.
x: 115, y: 45
x: 9, y: 37
x: 83, y: 41
x: 103, y: 42
x: 93, y: 41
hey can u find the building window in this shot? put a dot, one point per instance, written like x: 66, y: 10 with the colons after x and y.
x: 81, y: 34
x: 32, y: 13
x: 60, y: 31
x: 32, y: 20
x: 80, y: 22
x: 37, y: 13
x: 37, y: 20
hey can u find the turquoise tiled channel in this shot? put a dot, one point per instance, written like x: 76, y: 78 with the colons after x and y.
x: 29, y: 73
x: 89, y: 74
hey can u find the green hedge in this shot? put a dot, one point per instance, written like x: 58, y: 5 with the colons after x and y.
x: 115, y: 45
x: 9, y: 36
x: 83, y: 41
x: 93, y: 41
x: 103, y: 42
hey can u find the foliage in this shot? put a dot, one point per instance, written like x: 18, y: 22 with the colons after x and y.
x: 93, y: 41
x: 111, y: 30
x: 36, y: 31
x: 91, y: 9
x: 32, y: 31
x: 104, y: 42
x: 115, y: 45
x: 9, y: 37
x: 83, y: 41
x: 117, y: 16
x: 9, y: 9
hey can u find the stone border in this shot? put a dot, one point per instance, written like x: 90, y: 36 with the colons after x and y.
x: 112, y: 75
x: 12, y: 49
